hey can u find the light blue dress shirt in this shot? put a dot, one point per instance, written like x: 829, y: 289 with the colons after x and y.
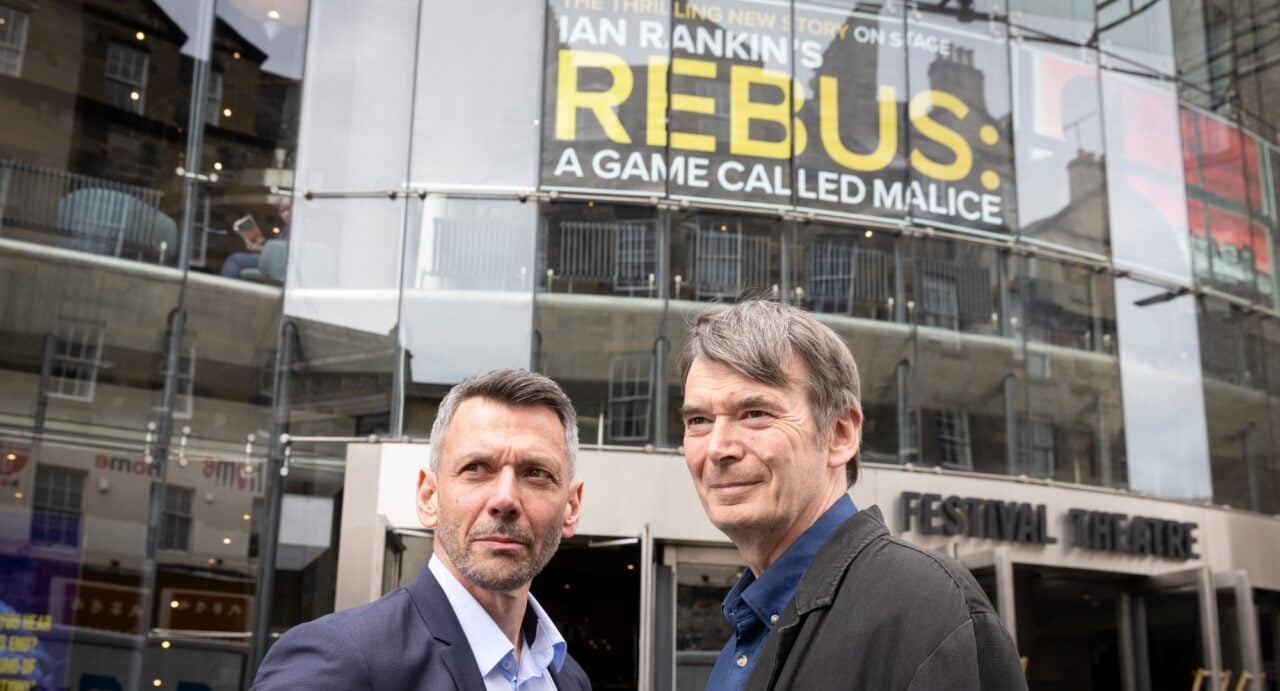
x: 493, y: 650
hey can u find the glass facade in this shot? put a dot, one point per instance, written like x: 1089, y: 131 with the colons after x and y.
x: 1046, y: 231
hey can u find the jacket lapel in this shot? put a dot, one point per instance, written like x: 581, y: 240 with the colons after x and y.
x: 437, y: 614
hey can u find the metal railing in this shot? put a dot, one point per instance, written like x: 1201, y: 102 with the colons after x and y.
x: 84, y: 212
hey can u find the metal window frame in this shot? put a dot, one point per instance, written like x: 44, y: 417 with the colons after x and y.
x: 636, y: 369
x: 957, y: 437
x: 68, y: 477
x: 114, y: 76
x: 19, y: 47
x: 171, y: 517
x: 92, y: 365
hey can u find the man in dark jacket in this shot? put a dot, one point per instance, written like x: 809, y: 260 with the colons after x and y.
x: 500, y: 493
x: 773, y: 421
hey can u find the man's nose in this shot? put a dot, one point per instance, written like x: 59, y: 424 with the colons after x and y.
x: 723, y: 443
x: 504, y: 499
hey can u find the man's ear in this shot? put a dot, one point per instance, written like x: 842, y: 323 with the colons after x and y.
x: 846, y: 438
x: 428, y: 510
x: 574, y: 509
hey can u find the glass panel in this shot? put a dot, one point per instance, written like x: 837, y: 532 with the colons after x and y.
x: 1164, y: 407
x: 746, y: 129
x: 724, y: 258
x: 1268, y: 468
x: 1230, y: 244
x: 1145, y: 190
x: 361, y: 85
x: 701, y: 628
x: 1070, y: 20
x: 1076, y: 430
x: 961, y: 144
x: 1236, y: 402
x: 242, y: 218
x: 1058, y: 116
x: 853, y: 280
x: 468, y: 261
x: 604, y: 99
x: 1202, y: 41
x: 855, y: 158
x: 1139, y: 33
x: 964, y: 418
x: 601, y: 317
x: 307, y: 557
x: 345, y: 263
x: 493, y: 140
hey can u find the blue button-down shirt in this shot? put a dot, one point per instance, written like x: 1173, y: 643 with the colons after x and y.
x: 754, y: 604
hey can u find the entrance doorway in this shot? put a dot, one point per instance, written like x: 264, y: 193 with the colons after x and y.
x: 1082, y: 629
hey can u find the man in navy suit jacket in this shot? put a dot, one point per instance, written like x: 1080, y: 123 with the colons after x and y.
x: 500, y: 494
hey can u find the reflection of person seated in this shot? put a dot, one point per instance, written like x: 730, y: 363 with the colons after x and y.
x: 254, y: 241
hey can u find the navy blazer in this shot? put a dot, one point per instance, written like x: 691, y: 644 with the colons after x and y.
x: 407, y: 639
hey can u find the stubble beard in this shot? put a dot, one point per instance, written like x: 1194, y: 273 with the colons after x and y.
x: 496, y: 571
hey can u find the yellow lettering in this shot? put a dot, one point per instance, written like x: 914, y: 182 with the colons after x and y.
x: 688, y: 103
x: 743, y: 110
x: 655, y: 130
x: 918, y: 111
x: 600, y: 103
x: 829, y: 125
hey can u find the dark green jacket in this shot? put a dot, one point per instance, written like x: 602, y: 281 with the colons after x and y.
x: 876, y: 612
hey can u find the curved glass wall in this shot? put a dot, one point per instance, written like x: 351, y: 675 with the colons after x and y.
x: 146, y: 167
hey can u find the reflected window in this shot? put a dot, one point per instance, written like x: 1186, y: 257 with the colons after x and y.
x: 1230, y: 236
x: 951, y: 429
x: 58, y: 506
x: 77, y: 357
x: 175, y: 522
x: 940, y: 305
x: 126, y: 73
x: 843, y: 275
x: 213, y: 98
x: 13, y: 40
x: 725, y: 261
x: 1036, y: 446
x: 623, y: 253
x: 183, y: 387
x: 630, y: 397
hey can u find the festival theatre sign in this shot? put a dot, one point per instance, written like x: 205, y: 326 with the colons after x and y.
x: 813, y: 108
x: 1010, y: 521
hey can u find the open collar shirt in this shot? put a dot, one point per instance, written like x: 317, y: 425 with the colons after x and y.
x: 754, y: 604
x: 542, y: 646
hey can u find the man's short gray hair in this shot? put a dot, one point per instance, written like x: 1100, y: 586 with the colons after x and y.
x: 511, y: 387
x: 756, y: 339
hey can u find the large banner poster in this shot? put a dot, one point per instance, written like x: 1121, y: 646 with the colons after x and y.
x: 762, y: 103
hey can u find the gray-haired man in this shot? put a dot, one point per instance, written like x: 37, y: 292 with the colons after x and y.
x: 500, y: 493
x: 773, y: 422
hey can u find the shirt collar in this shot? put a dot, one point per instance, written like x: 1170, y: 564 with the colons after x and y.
x: 488, y: 644
x: 767, y: 595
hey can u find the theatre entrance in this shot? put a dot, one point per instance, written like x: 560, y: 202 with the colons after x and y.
x: 1090, y: 630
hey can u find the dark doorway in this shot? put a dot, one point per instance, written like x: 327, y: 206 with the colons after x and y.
x: 591, y: 589
x: 1068, y: 628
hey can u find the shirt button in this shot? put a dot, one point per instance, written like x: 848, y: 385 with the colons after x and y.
x: 773, y: 619
x: 742, y: 660
x: 506, y: 664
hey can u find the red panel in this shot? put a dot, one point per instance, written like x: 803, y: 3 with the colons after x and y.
x: 1222, y: 159
x: 1189, y: 167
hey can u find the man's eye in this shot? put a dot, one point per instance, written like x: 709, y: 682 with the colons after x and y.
x: 695, y: 420
x: 755, y: 414
x: 539, y: 473
x: 471, y: 468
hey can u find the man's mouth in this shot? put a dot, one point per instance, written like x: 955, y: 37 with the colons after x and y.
x: 732, y: 488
